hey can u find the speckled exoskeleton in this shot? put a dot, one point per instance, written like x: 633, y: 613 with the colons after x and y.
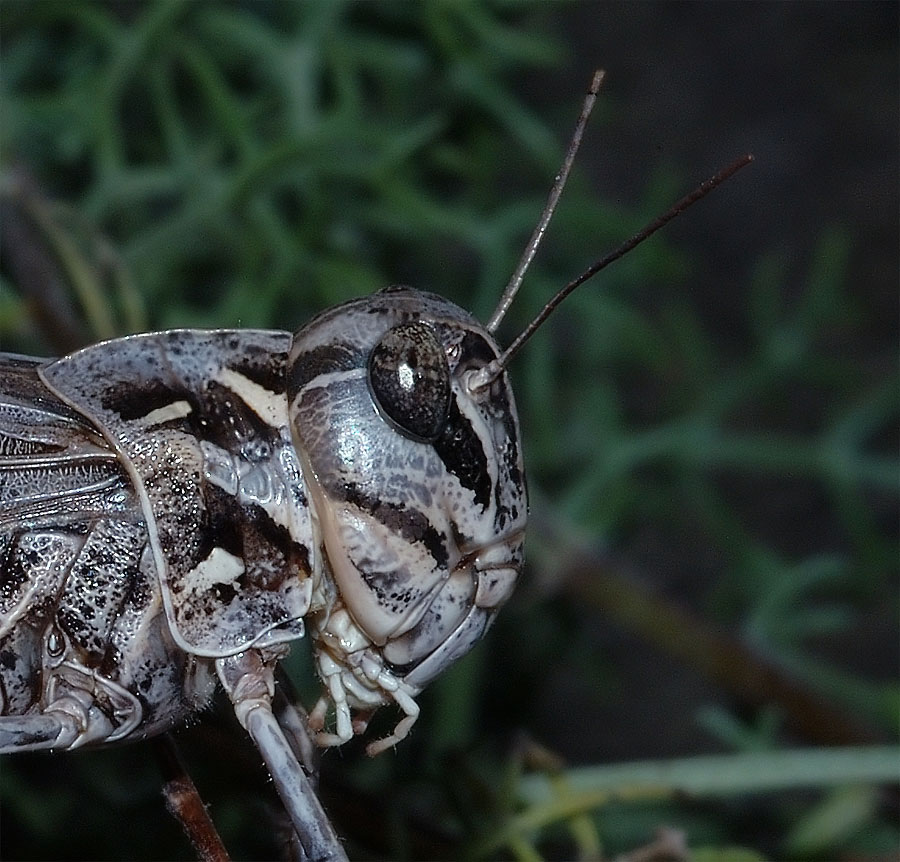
x: 177, y: 508
x: 174, y: 502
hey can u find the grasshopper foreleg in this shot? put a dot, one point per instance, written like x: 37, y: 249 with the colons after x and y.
x: 248, y: 679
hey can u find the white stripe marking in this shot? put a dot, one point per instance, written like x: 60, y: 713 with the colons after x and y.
x: 271, y: 407
x: 219, y: 567
x: 175, y: 410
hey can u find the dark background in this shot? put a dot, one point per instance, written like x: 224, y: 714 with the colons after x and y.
x: 710, y: 428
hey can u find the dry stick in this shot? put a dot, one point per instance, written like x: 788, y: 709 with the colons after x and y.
x: 712, y: 651
x: 184, y: 803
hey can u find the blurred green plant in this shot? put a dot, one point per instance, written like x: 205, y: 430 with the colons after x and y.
x: 249, y: 164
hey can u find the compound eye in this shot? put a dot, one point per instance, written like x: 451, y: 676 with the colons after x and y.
x: 410, y: 380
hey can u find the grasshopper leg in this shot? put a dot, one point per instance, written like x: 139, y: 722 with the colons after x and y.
x: 31, y: 732
x: 249, y: 681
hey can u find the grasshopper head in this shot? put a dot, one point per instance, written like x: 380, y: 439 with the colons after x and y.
x: 417, y: 487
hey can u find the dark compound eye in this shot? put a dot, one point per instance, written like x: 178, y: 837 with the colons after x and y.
x: 409, y: 377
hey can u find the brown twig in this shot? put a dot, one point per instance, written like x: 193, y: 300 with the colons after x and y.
x: 185, y: 805
x: 737, y: 667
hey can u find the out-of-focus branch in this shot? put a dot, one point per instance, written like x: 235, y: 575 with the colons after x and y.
x: 34, y: 267
x: 719, y: 655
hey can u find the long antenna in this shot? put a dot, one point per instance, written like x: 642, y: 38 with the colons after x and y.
x: 515, y: 281
x: 490, y: 371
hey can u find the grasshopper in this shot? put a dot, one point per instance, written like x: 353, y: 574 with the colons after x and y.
x: 178, y: 507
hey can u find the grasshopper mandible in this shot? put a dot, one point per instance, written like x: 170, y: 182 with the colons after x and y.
x: 177, y: 507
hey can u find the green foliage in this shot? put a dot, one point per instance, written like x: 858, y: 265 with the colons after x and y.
x: 250, y: 164
x: 257, y: 164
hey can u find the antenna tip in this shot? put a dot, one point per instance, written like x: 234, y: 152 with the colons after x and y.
x: 597, y: 81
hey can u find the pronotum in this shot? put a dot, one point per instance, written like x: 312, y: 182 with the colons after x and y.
x: 176, y: 508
